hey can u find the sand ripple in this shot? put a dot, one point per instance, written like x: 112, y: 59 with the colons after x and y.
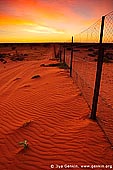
x: 51, y: 115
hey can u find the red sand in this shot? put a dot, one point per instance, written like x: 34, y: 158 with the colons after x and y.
x: 58, y: 129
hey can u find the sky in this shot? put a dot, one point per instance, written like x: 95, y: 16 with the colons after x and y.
x: 48, y: 20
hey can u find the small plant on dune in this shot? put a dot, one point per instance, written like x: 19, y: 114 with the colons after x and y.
x: 35, y: 76
x: 26, y: 123
x: 24, y: 144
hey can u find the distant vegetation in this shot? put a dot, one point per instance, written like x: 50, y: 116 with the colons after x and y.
x: 108, y: 56
x: 17, y: 57
x: 90, y: 49
x: 13, y: 48
x: 2, y: 56
x: 105, y: 60
x: 60, y: 65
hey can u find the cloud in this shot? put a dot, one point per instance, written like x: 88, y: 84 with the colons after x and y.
x: 43, y: 30
x: 62, y: 17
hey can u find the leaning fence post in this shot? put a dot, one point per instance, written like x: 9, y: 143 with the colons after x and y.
x: 98, y: 73
x: 71, y: 58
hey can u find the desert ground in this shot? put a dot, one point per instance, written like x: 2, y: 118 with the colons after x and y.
x: 84, y: 74
x: 44, y: 115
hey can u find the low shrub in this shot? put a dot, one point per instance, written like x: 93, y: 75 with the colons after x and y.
x: 63, y: 66
x: 17, y: 58
x: 92, y: 55
x: 90, y: 49
x: 109, y: 55
x: 68, y: 48
x: 13, y: 48
x: 35, y: 76
x: 60, y: 65
x: 2, y: 55
x: 105, y: 60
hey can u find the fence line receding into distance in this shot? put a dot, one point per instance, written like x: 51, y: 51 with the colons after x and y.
x: 86, y: 51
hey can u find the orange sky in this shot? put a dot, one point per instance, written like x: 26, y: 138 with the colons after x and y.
x: 48, y: 20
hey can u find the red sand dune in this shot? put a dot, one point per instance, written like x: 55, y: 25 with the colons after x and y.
x: 51, y: 114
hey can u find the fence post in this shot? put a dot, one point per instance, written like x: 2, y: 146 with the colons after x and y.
x: 60, y: 53
x: 64, y: 54
x: 98, y: 73
x: 71, y: 58
x: 54, y: 50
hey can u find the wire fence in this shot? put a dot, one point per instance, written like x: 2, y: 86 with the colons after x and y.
x: 84, y: 67
x: 91, y: 34
x: 105, y: 104
x: 108, y: 28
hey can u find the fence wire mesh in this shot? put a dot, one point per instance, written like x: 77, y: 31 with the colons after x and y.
x: 84, y: 70
x: 105, y: 104
x: 89, y: 35
x: 108, y: 28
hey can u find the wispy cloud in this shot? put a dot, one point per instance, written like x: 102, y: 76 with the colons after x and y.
x: 50, y: 17
x: 44, y: 30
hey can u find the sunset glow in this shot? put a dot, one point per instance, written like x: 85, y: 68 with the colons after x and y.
x: 48, y: 20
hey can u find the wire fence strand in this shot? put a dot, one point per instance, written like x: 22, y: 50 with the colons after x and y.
x: 84, y: 70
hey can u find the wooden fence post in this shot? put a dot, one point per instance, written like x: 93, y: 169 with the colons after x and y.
x: 54, y: 50
x: 71, y: 58
x: 98, y: 74
x: 60, y: 53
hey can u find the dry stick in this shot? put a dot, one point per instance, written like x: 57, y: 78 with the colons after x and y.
x: 98, y: 74
x: 71, y: 58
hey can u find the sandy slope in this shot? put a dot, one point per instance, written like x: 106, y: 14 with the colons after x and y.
x: 84, y: 74
x: 58, y: 129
